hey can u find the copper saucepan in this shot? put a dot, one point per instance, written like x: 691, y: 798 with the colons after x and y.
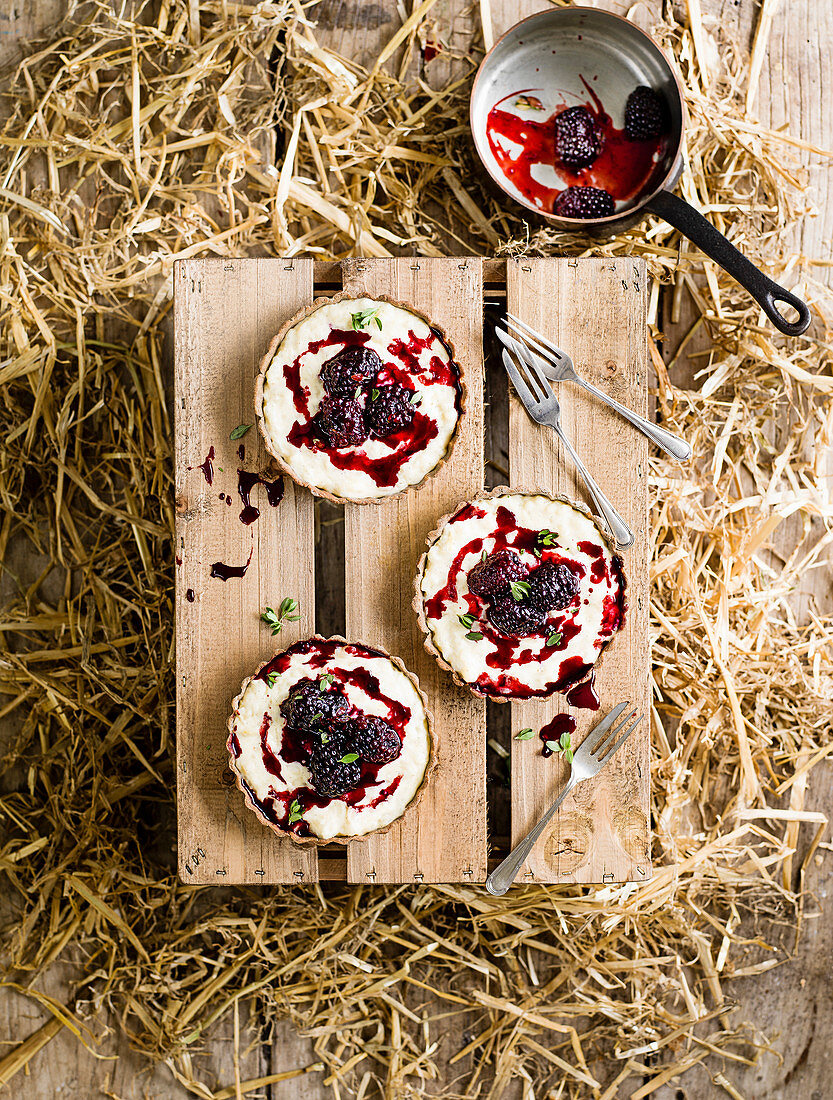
x: 573, y: 56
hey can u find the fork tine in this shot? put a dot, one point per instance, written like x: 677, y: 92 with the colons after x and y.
x: 542, y: 341
x: 524, y: 391
x: 541, y: 378
x: 608, y: 733
x: 601, y: 730
x: 541, y: 391
x: 615, y: 747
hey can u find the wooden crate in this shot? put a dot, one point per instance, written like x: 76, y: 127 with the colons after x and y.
x: 226, y: 312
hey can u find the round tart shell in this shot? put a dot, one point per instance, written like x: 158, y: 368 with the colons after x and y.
x: 265, y: 363
x: 428, y: 641
x: 321, y: 842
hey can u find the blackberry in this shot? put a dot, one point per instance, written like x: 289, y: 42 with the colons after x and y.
x: 339, y: 421
x: 307, y: 707
x: 389, y: 410
x: 552, y: 586
x: 349, y: 370
x: 584, y: 202
x: 496, y: 573
x: 374, y: 739
x: 513, y: 618
x: 577, y: 141
x: 646, y: 114
x: 328, y: 775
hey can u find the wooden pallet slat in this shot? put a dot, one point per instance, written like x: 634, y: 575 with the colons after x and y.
x: 596, y: 310
x: 445, y: 839
x: 226, y: 312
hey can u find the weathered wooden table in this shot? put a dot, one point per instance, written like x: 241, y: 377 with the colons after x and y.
x: 793, y: 1002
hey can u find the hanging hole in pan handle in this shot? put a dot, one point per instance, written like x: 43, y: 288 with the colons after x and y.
x: 764, y: 290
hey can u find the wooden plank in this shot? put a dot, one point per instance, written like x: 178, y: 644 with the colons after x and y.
x: 225, y: 313
x: 596, y: 310
x: 446, y: 840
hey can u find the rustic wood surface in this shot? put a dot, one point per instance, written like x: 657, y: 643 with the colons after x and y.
x: 597, y: 309
x: 445, y: 840
x: 791, y: 1003
x: 225, y: 314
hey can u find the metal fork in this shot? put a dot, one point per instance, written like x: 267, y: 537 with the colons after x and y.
x: 558, y: 366
x: 588, y: 760
x: 540, y: 402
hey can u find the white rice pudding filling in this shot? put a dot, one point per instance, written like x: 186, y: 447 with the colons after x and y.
x: 533, y: 664
x: 438, y: 400
x: 337, y: 818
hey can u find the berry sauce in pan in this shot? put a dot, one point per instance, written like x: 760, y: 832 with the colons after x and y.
x: 522, y: 145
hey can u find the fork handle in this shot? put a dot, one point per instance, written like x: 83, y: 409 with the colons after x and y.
x: 672, y: 444
x: 506, y: 872
x: 615, y: 524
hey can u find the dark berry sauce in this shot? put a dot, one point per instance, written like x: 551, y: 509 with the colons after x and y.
x: 623, y: 168
x: 584, y: 695
x: 246, y: 481
x: 223, y: 572
x: 404, y: 369
x: 552, y: 731
x: 189, y: 595
x: 207, y: 467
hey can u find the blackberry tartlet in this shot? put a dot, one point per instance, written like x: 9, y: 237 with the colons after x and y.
x: 359, y: 398
x: 518, y: 594
x: 330, y: 741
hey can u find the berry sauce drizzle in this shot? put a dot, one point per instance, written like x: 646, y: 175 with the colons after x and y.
x: 405, y: 368
x: 246, y: 481
x: 506, y: 653
x: 623, y: 168
x: 584, y: 695
x: 552, y: 731
x: 207, y: 467
x: 296, y: 746
x: 189, y: 595
x: 223, y: 572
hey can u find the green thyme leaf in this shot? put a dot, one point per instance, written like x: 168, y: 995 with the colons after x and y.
x: 474, y: 635
x: 483, y: 556
x: 240, y: 431
x: 528, y: 103
x: 349, y: 757
x: 568, y: 755
x: 415, y: 398
x: 554, y: 638
x: 295, y: 812
x: 552, y: 746
x: 564, y: 741
x: 466, y: 620
x: 271, y: 677
x: 363, y: 318
x: 524, y: 735
x: 519, y: 589
x: 284, y: 614
x: 324, y: 680
x: 374, y: 393
x: 325, y: 737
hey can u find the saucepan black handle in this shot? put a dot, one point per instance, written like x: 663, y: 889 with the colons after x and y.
x: 693, y: 225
